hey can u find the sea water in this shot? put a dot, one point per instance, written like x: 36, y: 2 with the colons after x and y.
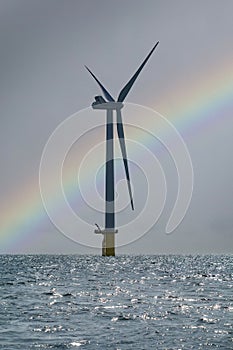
x: 124, y: 302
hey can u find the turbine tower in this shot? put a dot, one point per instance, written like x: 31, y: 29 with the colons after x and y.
x: 110, y: 105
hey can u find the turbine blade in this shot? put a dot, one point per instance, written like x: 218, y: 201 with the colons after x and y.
x: 124, y: 92
x: 121, y: 136
x: 105, y: 92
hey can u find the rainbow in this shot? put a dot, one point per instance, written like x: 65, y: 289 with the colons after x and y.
x: 204, y: 103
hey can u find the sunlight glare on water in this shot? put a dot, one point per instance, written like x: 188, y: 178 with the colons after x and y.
x: 125, y: 302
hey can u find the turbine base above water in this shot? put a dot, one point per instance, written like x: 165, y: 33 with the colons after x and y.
x: 108, y: 243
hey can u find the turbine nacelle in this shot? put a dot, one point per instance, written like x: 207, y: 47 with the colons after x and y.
x: 106, y: 105
x: 99, y: 99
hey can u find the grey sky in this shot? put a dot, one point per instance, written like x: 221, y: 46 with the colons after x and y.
x: 44, y: 46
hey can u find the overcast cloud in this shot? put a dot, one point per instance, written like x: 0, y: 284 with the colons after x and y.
x: 44, y: 46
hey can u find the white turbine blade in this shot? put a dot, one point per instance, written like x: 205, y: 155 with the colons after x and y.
x: 120, y: 131
x: 124, y: 92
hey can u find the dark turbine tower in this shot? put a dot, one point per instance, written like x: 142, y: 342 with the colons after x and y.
x: 108, y: 245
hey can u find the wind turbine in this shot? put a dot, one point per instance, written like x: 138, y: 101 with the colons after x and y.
x: 110, y: 105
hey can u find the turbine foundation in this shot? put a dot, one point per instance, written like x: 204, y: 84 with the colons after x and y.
x: 108, y: 243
